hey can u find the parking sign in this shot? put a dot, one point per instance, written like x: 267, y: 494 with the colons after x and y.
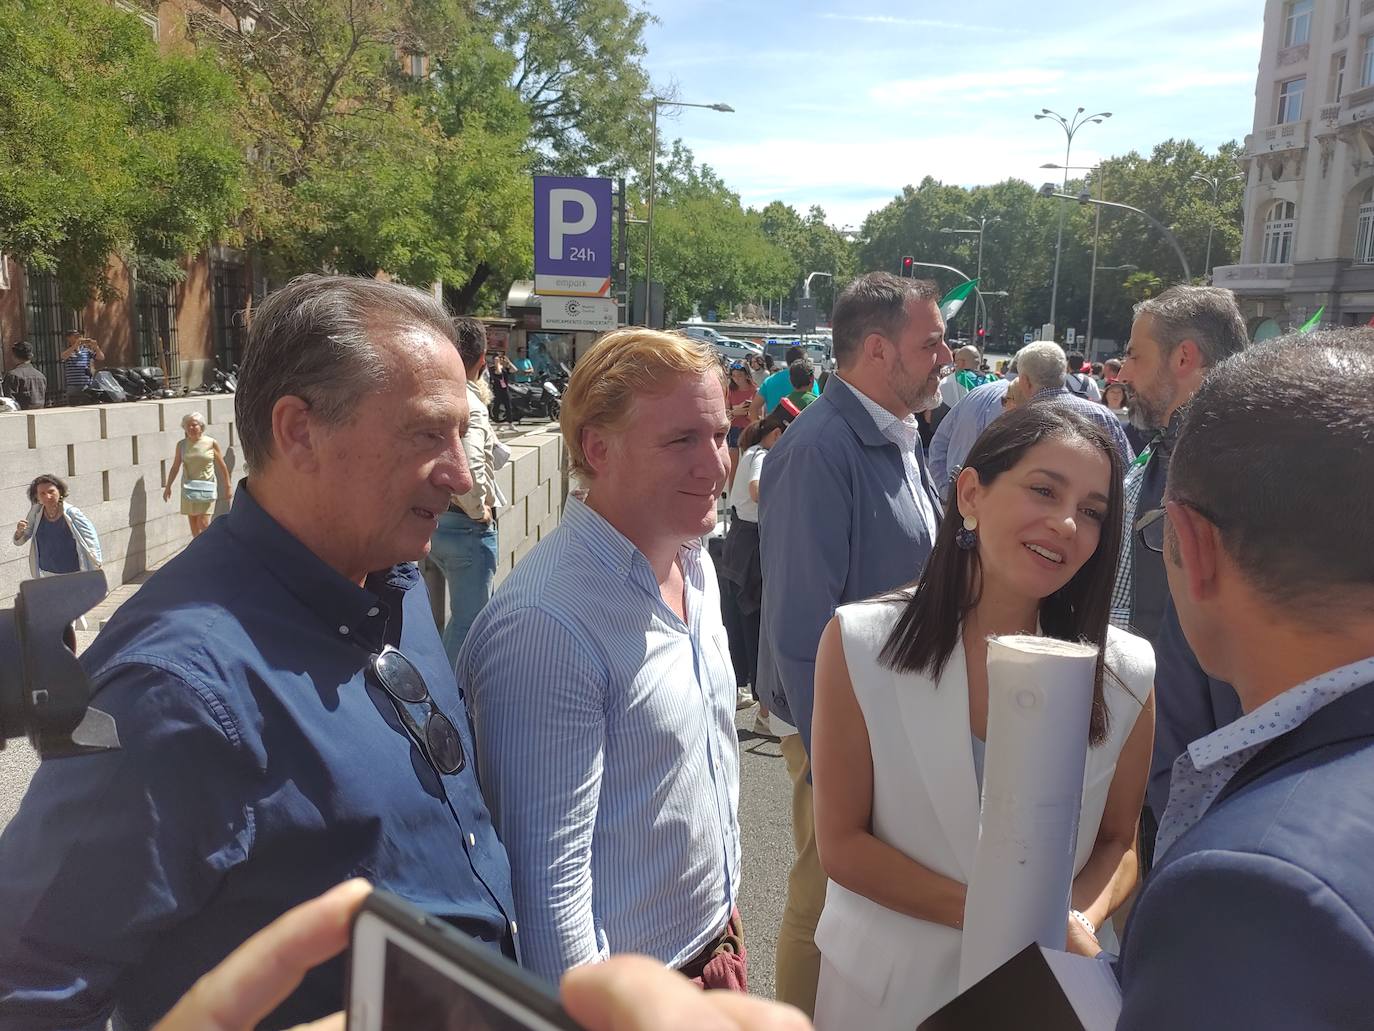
x: 572, y: 236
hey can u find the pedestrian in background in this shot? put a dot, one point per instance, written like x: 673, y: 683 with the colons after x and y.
x: 24, y: 383
x: 802, y: 375
x: 63, y: 539
x: 201, y: 463
x: 739, y: 397
x: 464, y: 546
x: 847, y: 510
x: 1078, y: 379
x: 78, y: 363
x: 777, y: 386
x: 741, y: 566
x: 502, y: 373
x: 601, y: 686
x: 1044, y: 378
x: 758, y: 371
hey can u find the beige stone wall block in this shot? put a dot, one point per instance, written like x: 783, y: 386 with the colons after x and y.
x: 92, y: 456
x: 54, y: 426
x: 128, y: 419
x: 20, y: 467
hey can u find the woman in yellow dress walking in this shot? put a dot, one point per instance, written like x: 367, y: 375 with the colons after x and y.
x: 203, y: 464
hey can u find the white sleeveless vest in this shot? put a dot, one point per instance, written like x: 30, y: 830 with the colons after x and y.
x: 884, y: 969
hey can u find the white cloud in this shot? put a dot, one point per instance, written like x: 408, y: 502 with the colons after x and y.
x: 898, y: 20
x: 966, y: 87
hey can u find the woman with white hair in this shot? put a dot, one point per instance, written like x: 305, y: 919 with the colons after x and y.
x: 200, y: 457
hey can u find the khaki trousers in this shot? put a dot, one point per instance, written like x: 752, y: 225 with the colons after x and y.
x: 798, y: 959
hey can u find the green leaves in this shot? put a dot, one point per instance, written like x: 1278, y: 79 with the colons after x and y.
x: 107, y: 146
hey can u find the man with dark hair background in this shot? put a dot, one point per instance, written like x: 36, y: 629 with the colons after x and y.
x: 847, y: 511
x: 1259, y: 912
x: 25, y: 383
x: 464, y: 547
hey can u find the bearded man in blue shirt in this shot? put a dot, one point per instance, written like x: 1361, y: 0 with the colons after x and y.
x: 286, y: 714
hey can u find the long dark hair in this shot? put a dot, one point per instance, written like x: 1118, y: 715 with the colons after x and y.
x: 778, y: 419
x: 951, y: 584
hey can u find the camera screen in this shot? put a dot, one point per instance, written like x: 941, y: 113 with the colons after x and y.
x: 418, y: 997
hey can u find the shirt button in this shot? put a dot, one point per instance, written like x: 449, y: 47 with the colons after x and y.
x: 472, y: 840
x: 343, y: 630
x: 373, y: 611
x: 513, y: 929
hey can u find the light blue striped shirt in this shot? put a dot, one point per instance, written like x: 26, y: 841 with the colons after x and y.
x: 606, y: 748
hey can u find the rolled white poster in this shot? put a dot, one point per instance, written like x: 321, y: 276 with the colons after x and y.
x: 1039, y: 710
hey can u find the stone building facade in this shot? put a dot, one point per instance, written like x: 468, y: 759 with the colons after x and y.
x: 1308, y: 238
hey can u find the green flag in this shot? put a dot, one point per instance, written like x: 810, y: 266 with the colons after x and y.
x: 1313, y: 322
x: 954, y: 300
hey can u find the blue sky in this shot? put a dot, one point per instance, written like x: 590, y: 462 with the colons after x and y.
x: 843, y: 102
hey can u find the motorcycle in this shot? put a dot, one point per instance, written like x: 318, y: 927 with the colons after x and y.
x: 530, y: 402
x: 218, y: 382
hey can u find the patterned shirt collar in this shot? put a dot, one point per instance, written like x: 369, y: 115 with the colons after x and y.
x: 899, y: 431
x: 1203, y: 771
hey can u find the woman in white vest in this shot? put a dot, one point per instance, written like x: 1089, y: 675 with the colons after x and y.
x: 1029, y: 545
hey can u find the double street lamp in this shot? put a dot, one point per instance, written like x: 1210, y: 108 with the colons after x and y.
x: 1215, y: 182
x: 655, y: 103
x: 982, y: 222
x: 1070, y: 126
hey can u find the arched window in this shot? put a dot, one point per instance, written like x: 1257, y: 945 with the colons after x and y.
x: 1278, y: 233
x: 1364, y: 229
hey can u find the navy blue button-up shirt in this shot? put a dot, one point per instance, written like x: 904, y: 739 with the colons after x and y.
x: 260, y: 765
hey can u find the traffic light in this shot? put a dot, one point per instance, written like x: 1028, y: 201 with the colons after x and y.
x: 908, y: 265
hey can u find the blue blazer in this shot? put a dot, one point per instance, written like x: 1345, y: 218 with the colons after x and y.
x: 837, y: 523
x: 1262, y: 914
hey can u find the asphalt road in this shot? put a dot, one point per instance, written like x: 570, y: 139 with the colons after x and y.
x: 765, y: 817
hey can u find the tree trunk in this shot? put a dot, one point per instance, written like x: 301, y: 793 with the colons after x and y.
x: 460, y: 299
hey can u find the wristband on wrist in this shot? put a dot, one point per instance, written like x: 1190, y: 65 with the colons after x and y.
x: 1087, y: 924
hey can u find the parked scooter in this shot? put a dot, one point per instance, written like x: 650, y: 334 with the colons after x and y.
x: 532, y: 402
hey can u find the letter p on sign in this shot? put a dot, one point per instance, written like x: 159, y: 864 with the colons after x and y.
x: 572, y: 236
x: 559, y: 227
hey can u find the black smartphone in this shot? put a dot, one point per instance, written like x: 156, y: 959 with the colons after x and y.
x: 409, y: 971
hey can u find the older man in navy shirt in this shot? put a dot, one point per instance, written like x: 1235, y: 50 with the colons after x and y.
x: 286, y: 713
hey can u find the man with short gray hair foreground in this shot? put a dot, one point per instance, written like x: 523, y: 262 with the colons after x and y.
x: 286, y: 714
x: 1259, y: 912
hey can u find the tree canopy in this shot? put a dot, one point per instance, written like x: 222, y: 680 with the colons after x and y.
x: 108, y: 147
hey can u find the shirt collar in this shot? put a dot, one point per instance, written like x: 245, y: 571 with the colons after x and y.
x: 344, y: 606
x: 1050, y: 390
x: 608, y: 545
x: 882, y: 418
x: 1272, y: 720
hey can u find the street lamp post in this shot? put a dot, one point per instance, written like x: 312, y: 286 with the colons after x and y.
x: 982, y: 222
x: 1215, y: 182
x: 1092, y: 290
x: 655, y: 103
x: 1048, y: 190
x: 806, y: 286
x: 1070, y: 127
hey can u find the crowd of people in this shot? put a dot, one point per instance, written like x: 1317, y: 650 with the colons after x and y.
x: 559, y: 778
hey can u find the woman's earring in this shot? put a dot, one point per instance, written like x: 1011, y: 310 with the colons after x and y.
x: 967, y: 538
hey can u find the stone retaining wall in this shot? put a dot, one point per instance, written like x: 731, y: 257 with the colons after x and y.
x: 115, y: 459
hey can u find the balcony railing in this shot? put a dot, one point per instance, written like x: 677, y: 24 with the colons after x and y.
x: 1294, y: 55
x: 1276, y: 138
x: 1329, y: 113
